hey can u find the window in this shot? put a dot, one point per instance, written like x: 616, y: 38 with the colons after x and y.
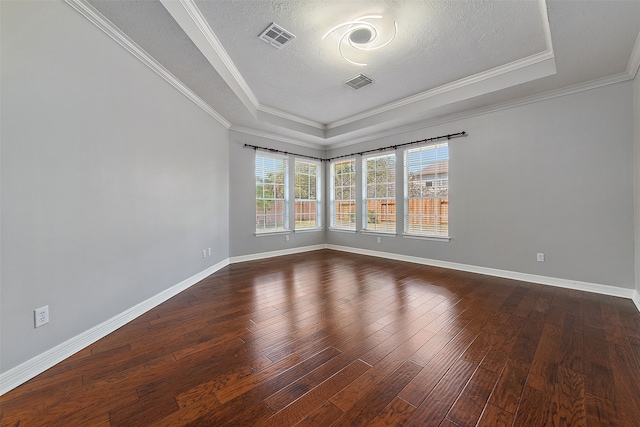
x: 379, y: 191
x: 426, y: 182
x: 343, y: 194
x: 271, y: 193
x: 307, y: 200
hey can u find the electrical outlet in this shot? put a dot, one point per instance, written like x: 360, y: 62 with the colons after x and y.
x: 209, y: 251
x: 540, y: 257
x: 379, y: 239
x: 204, y: 253
x: 41, y: 316
x: 286, y: 238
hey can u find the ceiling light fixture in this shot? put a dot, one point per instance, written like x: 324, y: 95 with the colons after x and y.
x: 360, y: 34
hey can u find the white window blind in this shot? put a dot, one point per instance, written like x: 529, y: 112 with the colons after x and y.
x: 426, y: 181
x: 343, y: 194
x: 271, y: 193
x: 307, y: 195
x: 379, y: 193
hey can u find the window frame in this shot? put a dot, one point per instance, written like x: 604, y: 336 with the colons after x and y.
x: 332, y: 198
x: 437, y: 216
x: 285, y: 194
x: 366, y: 190
x: 318, y: 193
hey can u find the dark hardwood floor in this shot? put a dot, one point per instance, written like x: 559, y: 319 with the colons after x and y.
x: 329, y: 338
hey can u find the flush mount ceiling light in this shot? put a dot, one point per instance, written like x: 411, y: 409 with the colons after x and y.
x: 360, y: 34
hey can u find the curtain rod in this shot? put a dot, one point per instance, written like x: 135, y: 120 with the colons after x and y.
x: 273, y: 150
x: 435, y: 138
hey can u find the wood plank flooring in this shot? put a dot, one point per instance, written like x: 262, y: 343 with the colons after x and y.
x: 329, y: 338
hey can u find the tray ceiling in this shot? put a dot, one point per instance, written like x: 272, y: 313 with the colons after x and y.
x: 447, y: 57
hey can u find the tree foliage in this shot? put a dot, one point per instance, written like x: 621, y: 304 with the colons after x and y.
x: 268, y: 189
x: 305, y: 181
x: 344, y: 180
x: 381, y: 177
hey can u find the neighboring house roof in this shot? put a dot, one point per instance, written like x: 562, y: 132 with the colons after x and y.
x: 440, y: 167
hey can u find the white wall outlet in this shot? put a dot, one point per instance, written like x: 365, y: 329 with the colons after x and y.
x: 204, y: 253
x: 286, y: 238
x: 540, y: 257
x: 209, y: 251
x: 41, y: 316
x: 379, y: 239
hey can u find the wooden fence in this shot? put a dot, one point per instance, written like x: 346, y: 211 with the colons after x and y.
x: 422, y: 211
x: 304, y: 211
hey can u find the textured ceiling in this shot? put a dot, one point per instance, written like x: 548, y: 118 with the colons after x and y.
x: 437, y: 43
x: 447, y: 57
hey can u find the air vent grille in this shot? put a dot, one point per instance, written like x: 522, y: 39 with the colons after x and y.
x: 358, y: 81
x: 276, y: 36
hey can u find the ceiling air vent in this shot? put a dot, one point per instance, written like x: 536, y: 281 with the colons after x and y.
x: 276, y: 36
x: 358, y: 81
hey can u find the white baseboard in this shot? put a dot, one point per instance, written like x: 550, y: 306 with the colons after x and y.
x: 40, y: 363
x: 35, y: 366
x: 29, y: 369
x: 525, y: 277
x: 271, y: 254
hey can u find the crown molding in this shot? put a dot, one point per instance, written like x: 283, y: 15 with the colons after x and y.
x: 233, y: 77
x: 634, y: 60
x: 188, y: 9
x: 450, y: 87
x: 593, y: 84
x: 189, y: 17
x: 546, y: 27
x: 494, y: 72
x: 96, y: 18
x: 197, y: 17
x: 279, y: 113
x: 116, y: 34
x: 581, y: 87
x: 275, y: 137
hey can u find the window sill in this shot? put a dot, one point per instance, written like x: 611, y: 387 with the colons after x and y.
x: 271, y: 233
x: 379, y: 233
x: 343, y: 230
x: 427, y: 237
x: 308, y: 230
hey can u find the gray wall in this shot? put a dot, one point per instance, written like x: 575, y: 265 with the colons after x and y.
x: 242, y: 223
x: 554, y: 176
x: 112, y: 181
